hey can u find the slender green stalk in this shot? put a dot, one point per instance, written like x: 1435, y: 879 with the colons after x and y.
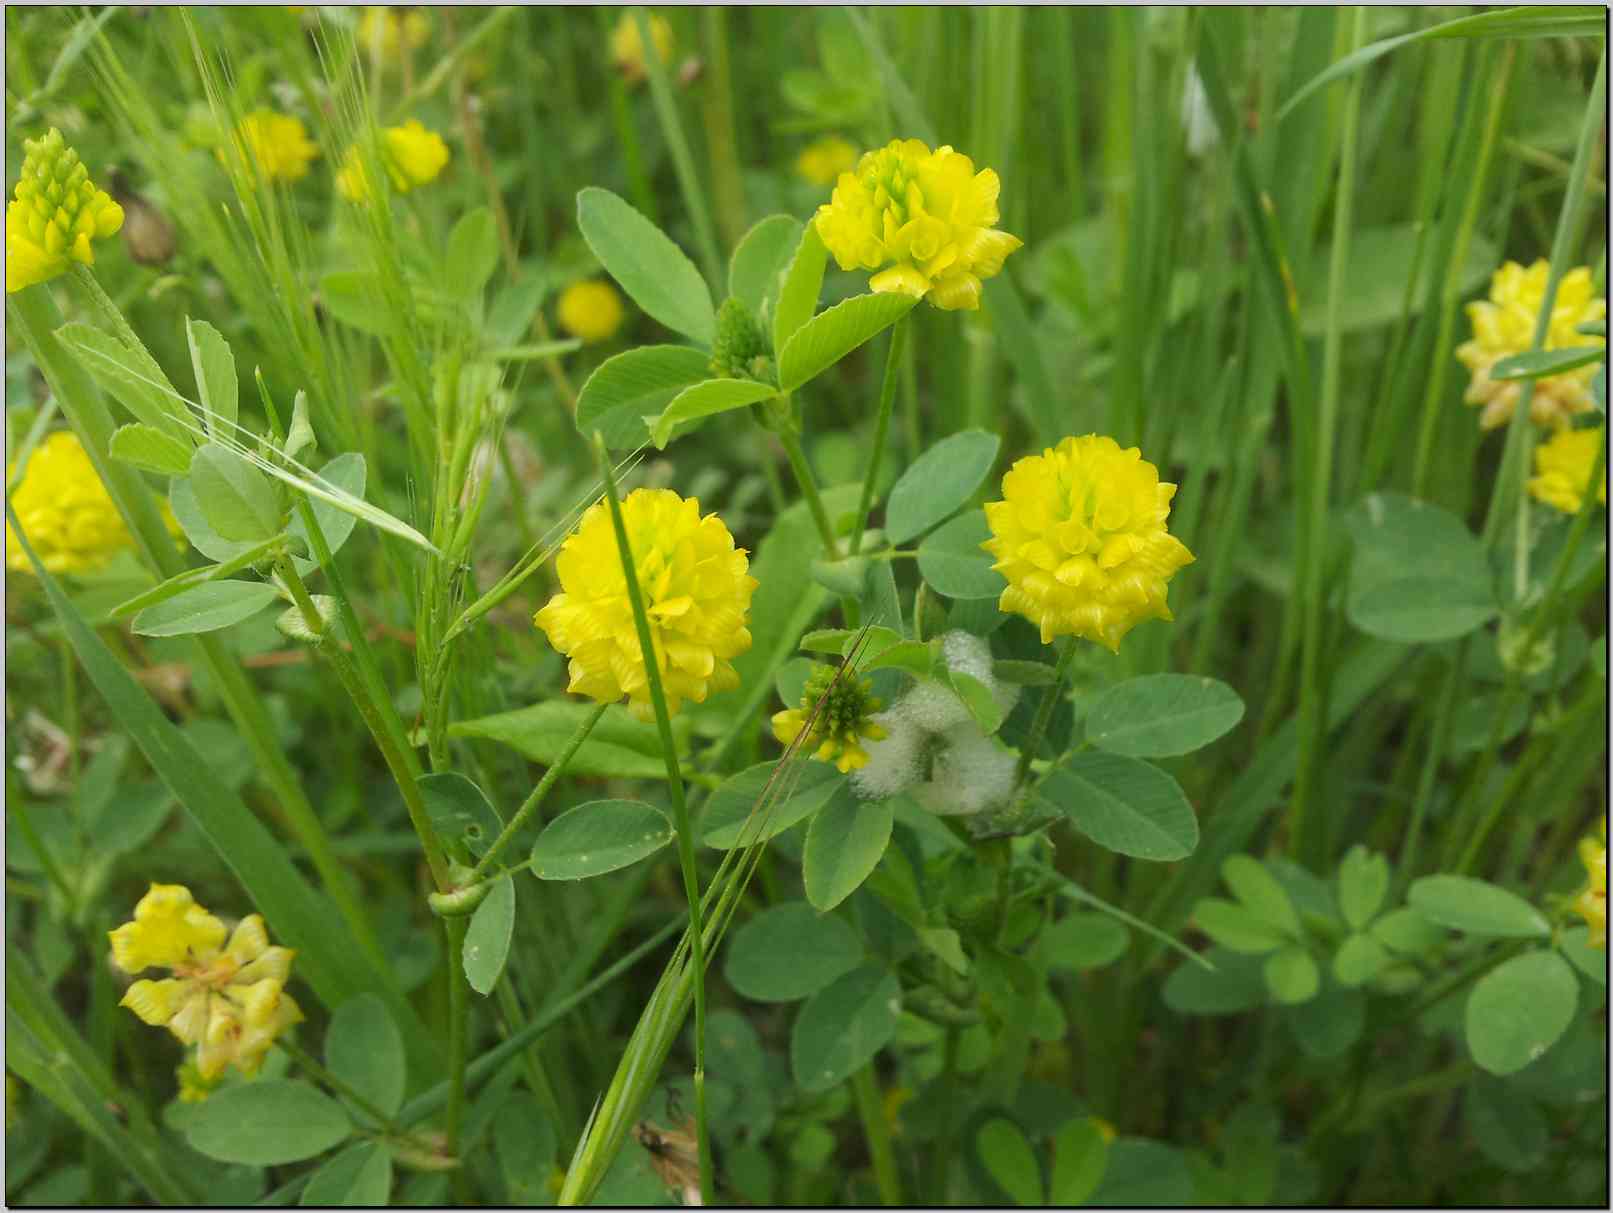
x: 887, y: 397
x: 680, y: 809
x: 727, y: 183
x: 1044, y: 715
x: 809, y: 489
x: 877, y: 1133
x: 535, y: 800
x: 694, y: 197
x: 458, y: 1012
x: 1438, y: 730
x: 338, y: 1086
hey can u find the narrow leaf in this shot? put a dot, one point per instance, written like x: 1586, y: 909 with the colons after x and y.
x: 649, y: 267
x: 832, y: 334
x: 803, y: 280
x: 216, y: 382
x: 487, y: 939
x: 151, y: 449
x: 205, y: 608
x: 704, y: 400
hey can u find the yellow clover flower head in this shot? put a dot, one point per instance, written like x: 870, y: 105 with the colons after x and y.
x: 227, y: 993
x: 1081, y: 538
x: 55, y: 214
x: 591, y: 311
x: 390, y: 33
x: 823, y: 160
x: 927, y: 215
x: 1504, y: 325
x: 627, y: 46
x: 696, y: 592
x: 65, y: 510
x: 1591, y: 904
x: 277, y: 145
x: 1563, y: 467
x: 840, y: 725
x: 414, y: 155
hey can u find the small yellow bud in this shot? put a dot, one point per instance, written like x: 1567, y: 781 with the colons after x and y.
x: 413, y: 155
x: 591, y: 311
x: 627, y: 46
x: 823, y: 160
x: 54, y: 215
x: 1563, y: 467
x: 276, y: 145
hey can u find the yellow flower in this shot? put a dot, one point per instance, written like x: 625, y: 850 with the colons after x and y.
x: 1563, y: 466
x: 65, y: 510
x: 226, y: 996
x: 1081, y: 539
x: 277, y: 144
x: 55, y: 214
x: 413, y: 155
x: 823, y: 160
x: 590, y: 310
x: 1505, y: 325
x: 627, y: 47
x: 840, y: 725
x: 390, y: 33
x: 193, y: 1088
x: 696, y: 592
x: 1591, y: 904
x: 928, y: 214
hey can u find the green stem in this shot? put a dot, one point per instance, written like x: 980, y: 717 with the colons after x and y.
x: 943, y: 1140
x: 809, y: 489
x: 877, y: 1132
x: 1044, y: 717
x: 887, y: 396
x: 524, y: 813
x: 727, y: 182
x: 666, y: 109
x: 458, y: 990
x: 680, y: 808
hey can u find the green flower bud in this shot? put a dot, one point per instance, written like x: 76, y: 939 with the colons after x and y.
x: 739, y: 351
x: 54, y: 215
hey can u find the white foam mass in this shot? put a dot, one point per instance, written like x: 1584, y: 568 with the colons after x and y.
x: 931, y: 707
x: 893, y: 761
x: 971, y: 773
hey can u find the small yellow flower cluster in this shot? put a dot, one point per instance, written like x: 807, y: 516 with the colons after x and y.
x: 1563, y: 467
x: 277, y: 144
x: 697, y: 595
x: 1504, y: 325
x: 391, y: 33
x: 1080, y: 537
x: 927, y: 214
x: 627, y: 46
x: 823, y: 160
x: 64, y: 509
x: 55, y: 214
x: 413, y: 156
x: 1591, y: 904
x: 591, y: 310
x: 840, y: 725
x: 226, y: 996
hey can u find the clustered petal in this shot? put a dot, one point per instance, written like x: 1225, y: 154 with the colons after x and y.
x: 1504, y: 325
x: 64, y: 509
x: 276, y: 144
x: 696, y: 592
x: 836, y: 715
x: 1591, y: 904
x: 227, y: 993
x: 55, y: 214
x: 413, y: 155
x: 627, y: 46
x: 590, y: 310
x: 1563, y: 467
x: 1080, y: 537
x: 927, y: 217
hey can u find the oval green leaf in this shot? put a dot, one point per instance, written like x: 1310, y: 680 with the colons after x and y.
x: 843, y: 843
x: 953, y: 562
x: 238, y: 501
x: 790, y: 952
x: 205, y: 608
x: 801, y: 285
x: 1010, y: 1161
x: 487, y: 939
x: 835, y: 332
x: 360, y: 1176
x: 266, y: 1123
x: 756, y: 270
x: 599, y: 837
x: 1080, y: 1156
x: 459, y: 811
x: 364, y: 1048
x: 1517, y: 1012
x: 938, y: 482
x: 843, y: 1026
x: 1292, y: 975
x: 1261, y: 893
x: 1234, y: 927
x: 705, y: 399
x: 800, y: 789
x: 647, y: 265
x: 634, y: 385
x: 1123, y: 804
x: 1162, y: 715
x: 1476, y: 907
x: 1082, y: 941
x: 148, y: 448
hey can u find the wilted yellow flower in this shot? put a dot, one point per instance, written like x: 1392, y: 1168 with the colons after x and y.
x: 226, y: 997
x: 1504, y: 325
x: 696, y: 592
x: 928, y: 214
x: 840, y: 725
x: 627, y: 47
x: 1591, y: 904
x: 55, y: 214
x: 823, y: 160
x: 590, y: 310
x: 193, y: 1088
x: 64, y: 509
x: 413, y: 155
x: 1563, y: 466
x: 391, y: 32
x: 277, y: 144
x: 1081, y: 539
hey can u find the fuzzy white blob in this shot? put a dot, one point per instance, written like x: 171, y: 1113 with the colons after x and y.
x: 893, y: 761
x: 971, y: 773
